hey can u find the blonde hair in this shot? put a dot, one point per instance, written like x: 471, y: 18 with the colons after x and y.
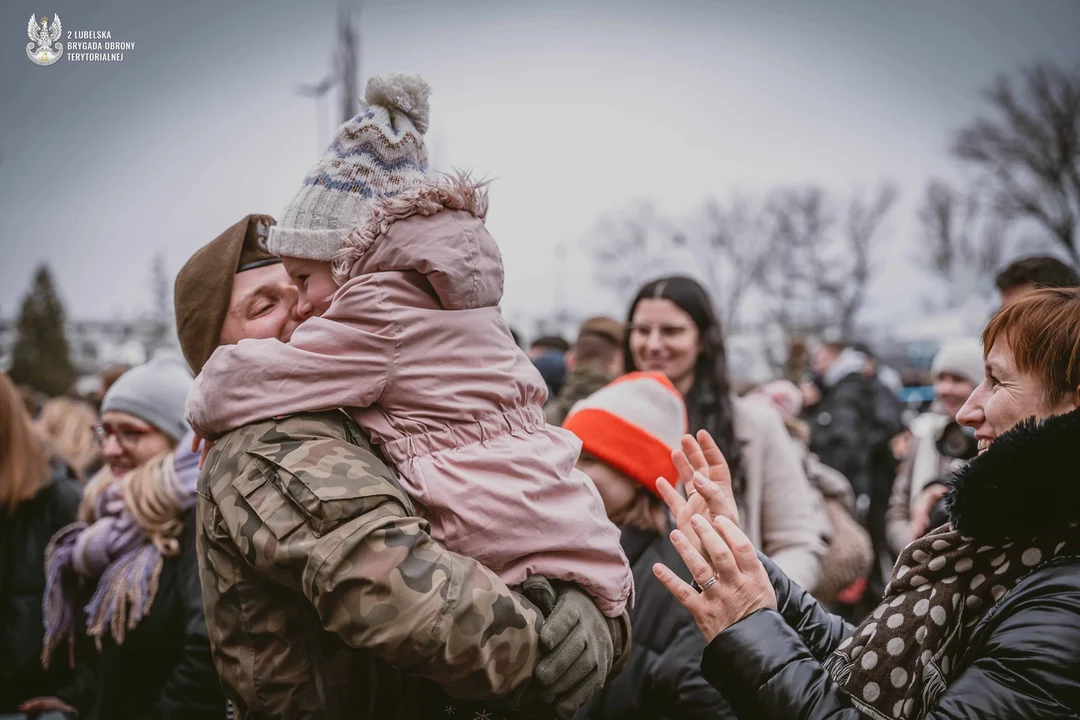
x: 151, y: 493
x: 24, y: 466
x: 69, y: 425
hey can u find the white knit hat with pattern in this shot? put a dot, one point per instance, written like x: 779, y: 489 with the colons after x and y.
x: 377, y: 154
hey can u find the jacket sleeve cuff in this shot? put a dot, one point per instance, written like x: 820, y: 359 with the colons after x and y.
x: 742, y: 659
x: 621, y: 640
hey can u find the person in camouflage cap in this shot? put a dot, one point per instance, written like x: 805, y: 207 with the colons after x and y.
x: 325, y: 596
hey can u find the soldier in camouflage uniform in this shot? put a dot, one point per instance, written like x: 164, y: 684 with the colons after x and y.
x: 595, y: 360
x: 325, y: 596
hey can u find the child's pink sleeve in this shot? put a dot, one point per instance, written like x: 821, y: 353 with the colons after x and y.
x: 341, y: 359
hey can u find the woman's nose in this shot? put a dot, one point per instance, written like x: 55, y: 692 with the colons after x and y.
x: 111, y: 448
x: 971, y: 414
x: 653, y: 342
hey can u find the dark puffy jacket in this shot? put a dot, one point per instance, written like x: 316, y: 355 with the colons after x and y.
x: 662, y: 678
x: 850, y: 432
x: 842, y: 432
x: 1023, y: 656
x: 768, y: 665
x: 163, y: 669
x: 23, y: 539
x: 852, y: 425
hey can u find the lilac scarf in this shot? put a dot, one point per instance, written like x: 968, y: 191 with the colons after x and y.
x: 121, y: 549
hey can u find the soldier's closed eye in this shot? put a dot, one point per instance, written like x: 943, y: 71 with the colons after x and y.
x: 260, y: 307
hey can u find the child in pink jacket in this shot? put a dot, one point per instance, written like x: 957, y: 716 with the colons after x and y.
x: 414, y: 345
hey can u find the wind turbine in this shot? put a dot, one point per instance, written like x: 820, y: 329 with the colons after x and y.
x: 318, y: 91
x: 346, y: 70
x: 347, y: 60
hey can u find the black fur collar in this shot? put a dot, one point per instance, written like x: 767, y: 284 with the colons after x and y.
x: 1028, y: 482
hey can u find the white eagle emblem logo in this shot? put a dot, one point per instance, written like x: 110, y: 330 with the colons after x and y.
x: 43, y: 36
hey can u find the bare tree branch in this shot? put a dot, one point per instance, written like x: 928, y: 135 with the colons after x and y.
x: 820, y: 268
x: 792, y: 266
x: 630, y: 248
x: 798, y: 225
x: 864, y: 219
x: 963, y: 241
x: 1031, y: 149
x: 730, y: 252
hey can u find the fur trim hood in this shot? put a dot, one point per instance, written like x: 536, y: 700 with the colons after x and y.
x: 448, y: 192
x: 1027, y: 483
x: 850, y: 362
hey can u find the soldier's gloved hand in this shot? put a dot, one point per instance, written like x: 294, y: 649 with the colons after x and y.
x: 578, y: 651
x: 540, y: 593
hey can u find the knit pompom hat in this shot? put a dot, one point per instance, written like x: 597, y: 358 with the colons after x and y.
x: 633, y: 425
x: 378, y: 154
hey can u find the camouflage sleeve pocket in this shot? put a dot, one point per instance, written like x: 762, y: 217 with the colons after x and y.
x: 329, y: 484
x: 265, y: 500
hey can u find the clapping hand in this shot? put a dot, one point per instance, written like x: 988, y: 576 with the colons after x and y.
x: 734, y: 583
x: 704, y: 473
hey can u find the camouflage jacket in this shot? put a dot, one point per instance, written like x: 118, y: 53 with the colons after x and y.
x: 325, y: 596
x: 580, y: 384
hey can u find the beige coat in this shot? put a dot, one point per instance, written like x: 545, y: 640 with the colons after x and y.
x: 778, y: 511
x: 922, y: 465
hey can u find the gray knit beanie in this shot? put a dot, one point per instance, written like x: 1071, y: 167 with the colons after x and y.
x: 377, y: 154
x: 155, y: 393
x: 963, y: 358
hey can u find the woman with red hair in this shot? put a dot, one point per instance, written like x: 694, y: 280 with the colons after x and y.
x: 981, y: 617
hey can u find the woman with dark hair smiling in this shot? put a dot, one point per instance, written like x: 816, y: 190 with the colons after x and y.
x: 673, y: 329
x: 982, y: 615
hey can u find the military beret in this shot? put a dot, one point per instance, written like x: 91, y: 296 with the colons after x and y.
x: 204, y: 285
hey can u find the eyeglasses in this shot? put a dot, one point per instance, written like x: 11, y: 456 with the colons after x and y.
x: 128, y: 438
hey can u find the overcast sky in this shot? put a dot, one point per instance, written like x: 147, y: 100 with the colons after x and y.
x: 577, y: 108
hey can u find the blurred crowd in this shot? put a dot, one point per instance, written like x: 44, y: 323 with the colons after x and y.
x: 316, y: 567
x: 831, y: 482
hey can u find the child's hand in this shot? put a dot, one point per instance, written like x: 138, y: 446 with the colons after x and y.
x: 701, y: 455
x: 207, y: 445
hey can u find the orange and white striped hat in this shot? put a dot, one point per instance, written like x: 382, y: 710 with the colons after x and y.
x: 633, y: 424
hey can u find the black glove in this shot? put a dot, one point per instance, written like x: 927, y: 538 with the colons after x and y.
x: 578, y: 649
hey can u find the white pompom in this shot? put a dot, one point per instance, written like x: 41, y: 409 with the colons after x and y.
x: 405, y: 93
